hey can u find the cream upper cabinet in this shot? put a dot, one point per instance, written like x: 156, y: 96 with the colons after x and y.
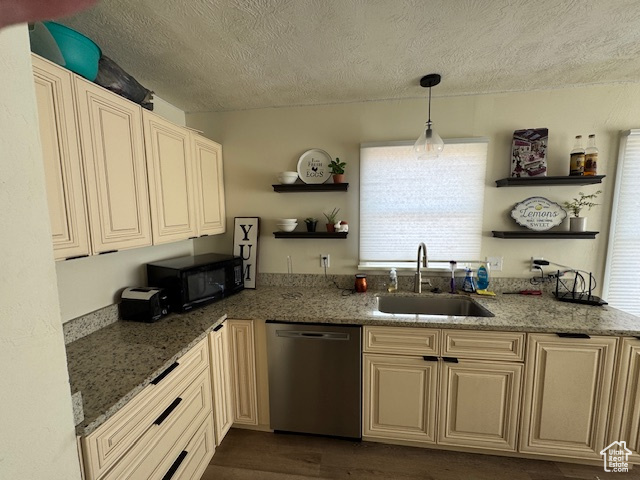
x: 209, y: 188
x: 566, y: 396
x: 399, y: 395
x: 221, y: 376
x: 171, y: 179
x: 625, y: 424
x: 243, y: 371
x: 115, y: 170
x: 479, y: 404
x: 62, y: 160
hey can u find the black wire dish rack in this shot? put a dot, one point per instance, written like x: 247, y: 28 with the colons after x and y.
x: 578, y: 291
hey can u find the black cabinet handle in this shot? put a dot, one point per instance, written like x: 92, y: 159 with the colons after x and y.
x: 572, y: 335
x: 219, y: 327
x: 108, y: 251
x: 430, y: 358
x: 450, y: 359
x: 77, y: 256
x: 175, y: 465
x: 191, y: 238
x: 163, y: 416
x: 169, y: 369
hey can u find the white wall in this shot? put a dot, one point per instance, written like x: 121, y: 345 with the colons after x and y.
x: 88, y: 284
x: 37, y: 436
x: 257, y: 144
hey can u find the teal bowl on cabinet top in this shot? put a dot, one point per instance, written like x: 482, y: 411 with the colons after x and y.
x: 80, y: 53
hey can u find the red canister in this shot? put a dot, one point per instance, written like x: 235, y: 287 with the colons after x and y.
x: 361, y: 283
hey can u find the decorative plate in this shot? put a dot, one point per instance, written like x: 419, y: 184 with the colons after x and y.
x: 313, y: 166
x: 538, y: 213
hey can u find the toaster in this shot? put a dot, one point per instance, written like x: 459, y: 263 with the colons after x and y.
x: 144, y: 304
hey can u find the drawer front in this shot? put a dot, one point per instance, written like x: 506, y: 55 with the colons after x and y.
x: 402, y: 340
x: 111, y: 440
x: 197, y: 454
x: 481, y: 345
x: 156, y: 451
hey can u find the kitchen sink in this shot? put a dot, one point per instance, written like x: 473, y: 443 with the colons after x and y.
x: 454, y: 306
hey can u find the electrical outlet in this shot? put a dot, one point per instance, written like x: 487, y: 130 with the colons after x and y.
x: 533, y: 266
x: 495, y: 263
x: 325, y: 260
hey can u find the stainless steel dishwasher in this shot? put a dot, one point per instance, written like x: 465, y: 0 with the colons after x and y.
x: 315, y: 378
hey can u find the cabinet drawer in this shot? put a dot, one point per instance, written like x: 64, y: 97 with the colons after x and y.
x: 481, y: 345
x: 156, y: 451
x: 111, y: 440
x: 197, y: 454
x: 402, y: 340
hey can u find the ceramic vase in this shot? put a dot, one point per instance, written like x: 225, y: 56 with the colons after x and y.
x: 578, y: 224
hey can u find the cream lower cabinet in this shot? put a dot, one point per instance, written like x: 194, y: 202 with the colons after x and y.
x: 168, y: 427
x: 115, y: 170
x: 243, y: 371
x: 566, y: 395
x: 221, y: 380
x: 62, y: 159
x: 625, y: 417
x: 419, y: 392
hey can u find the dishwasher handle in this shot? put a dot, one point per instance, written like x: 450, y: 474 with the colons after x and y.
x: 313, y: 335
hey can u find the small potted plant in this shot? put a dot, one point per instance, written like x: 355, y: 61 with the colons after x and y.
x: 575, y: 206
x: 337, y: 169
x: 331, y: 219
x: 311, y: 224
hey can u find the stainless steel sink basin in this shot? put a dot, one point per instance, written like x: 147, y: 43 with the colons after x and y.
x: 455, y: 306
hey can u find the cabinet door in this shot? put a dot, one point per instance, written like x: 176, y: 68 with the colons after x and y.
x: 479, y: 404
x: 209, y: 189
x: 243, y: 372
x: 115, y: 170
x: 61, y: 155
x: 399, y: 398
x: 171, y: 179
x: 566, y: 397
x: 625, y: 424
x: 221, y: 374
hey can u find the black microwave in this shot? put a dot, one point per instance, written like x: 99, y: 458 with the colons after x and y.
x: 197, y: 280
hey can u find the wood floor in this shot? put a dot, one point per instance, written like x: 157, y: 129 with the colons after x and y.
x: 249, y: 455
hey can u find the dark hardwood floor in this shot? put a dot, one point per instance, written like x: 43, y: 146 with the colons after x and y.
x: 249, y: 455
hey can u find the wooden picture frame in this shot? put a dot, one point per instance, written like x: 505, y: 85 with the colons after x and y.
x: 246, y: 231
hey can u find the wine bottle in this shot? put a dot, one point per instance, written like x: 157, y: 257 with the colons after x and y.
x: 591, y: 156
x: 576, y: 167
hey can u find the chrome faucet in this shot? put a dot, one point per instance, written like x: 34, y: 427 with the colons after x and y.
x: 417, y: 284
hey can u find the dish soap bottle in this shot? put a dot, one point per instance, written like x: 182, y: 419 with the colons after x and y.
x: 483, y: 277
x: 393, y: 281
x: 469, y: 284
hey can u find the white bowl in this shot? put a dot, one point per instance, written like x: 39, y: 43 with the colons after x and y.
x: 288, y: 177
x: 287, y: 221
x: 287, y: 227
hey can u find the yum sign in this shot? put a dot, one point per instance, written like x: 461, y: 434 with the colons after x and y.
x: 245, y: 245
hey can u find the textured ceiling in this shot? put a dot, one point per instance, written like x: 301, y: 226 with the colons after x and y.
x: 219, y: 55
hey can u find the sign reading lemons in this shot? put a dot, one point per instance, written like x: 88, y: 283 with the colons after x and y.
x: 538, y: 213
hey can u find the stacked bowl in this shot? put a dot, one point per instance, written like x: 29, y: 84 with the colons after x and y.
x: 288, y: 178
x: 287, y: 224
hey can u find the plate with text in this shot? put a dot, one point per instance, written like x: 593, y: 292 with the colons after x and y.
x: 313, y: 166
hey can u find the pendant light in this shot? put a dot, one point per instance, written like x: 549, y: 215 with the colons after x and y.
x: 429, y: 144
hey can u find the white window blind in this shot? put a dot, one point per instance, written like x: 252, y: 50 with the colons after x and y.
x: 405, y: 201
x: 621, y: 287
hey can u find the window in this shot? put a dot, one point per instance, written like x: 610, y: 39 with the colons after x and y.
x: 621, y: 287
x: 405, y: 201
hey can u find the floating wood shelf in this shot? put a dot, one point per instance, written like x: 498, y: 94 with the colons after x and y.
x: 532, y: 234
x: 310, y: 234
x: 311, y: 187
x: 535, y: 181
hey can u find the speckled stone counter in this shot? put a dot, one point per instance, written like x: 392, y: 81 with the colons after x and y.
x: 113, y: 364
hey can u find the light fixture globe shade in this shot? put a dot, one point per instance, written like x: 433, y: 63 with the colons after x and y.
x: 428, y: 145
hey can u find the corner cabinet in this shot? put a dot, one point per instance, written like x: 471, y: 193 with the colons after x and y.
x: 566, y: 395
x: 243, y: 371
x: 115, y: 170
x: 62, y: 160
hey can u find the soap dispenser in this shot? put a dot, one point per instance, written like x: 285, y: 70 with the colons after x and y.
x: 393, y: 281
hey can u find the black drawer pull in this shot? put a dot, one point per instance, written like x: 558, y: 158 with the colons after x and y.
x: 108, y: 251
x: 572, y: 335
x: 430, y: 358
x: 163, y: 416
x: 219, y: 327
x: 169, y: 369
x: 77, y: 256
x: 450, y: 359
x: 176, y: 465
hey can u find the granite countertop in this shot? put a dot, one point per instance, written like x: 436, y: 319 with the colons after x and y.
x: 113, y: 364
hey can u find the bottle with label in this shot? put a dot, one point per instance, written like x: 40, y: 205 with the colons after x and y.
x: 591, y: 156
x: 469, y: 284
x: 483, y: 277
x: 577, y: 158
x: 393, y: 281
